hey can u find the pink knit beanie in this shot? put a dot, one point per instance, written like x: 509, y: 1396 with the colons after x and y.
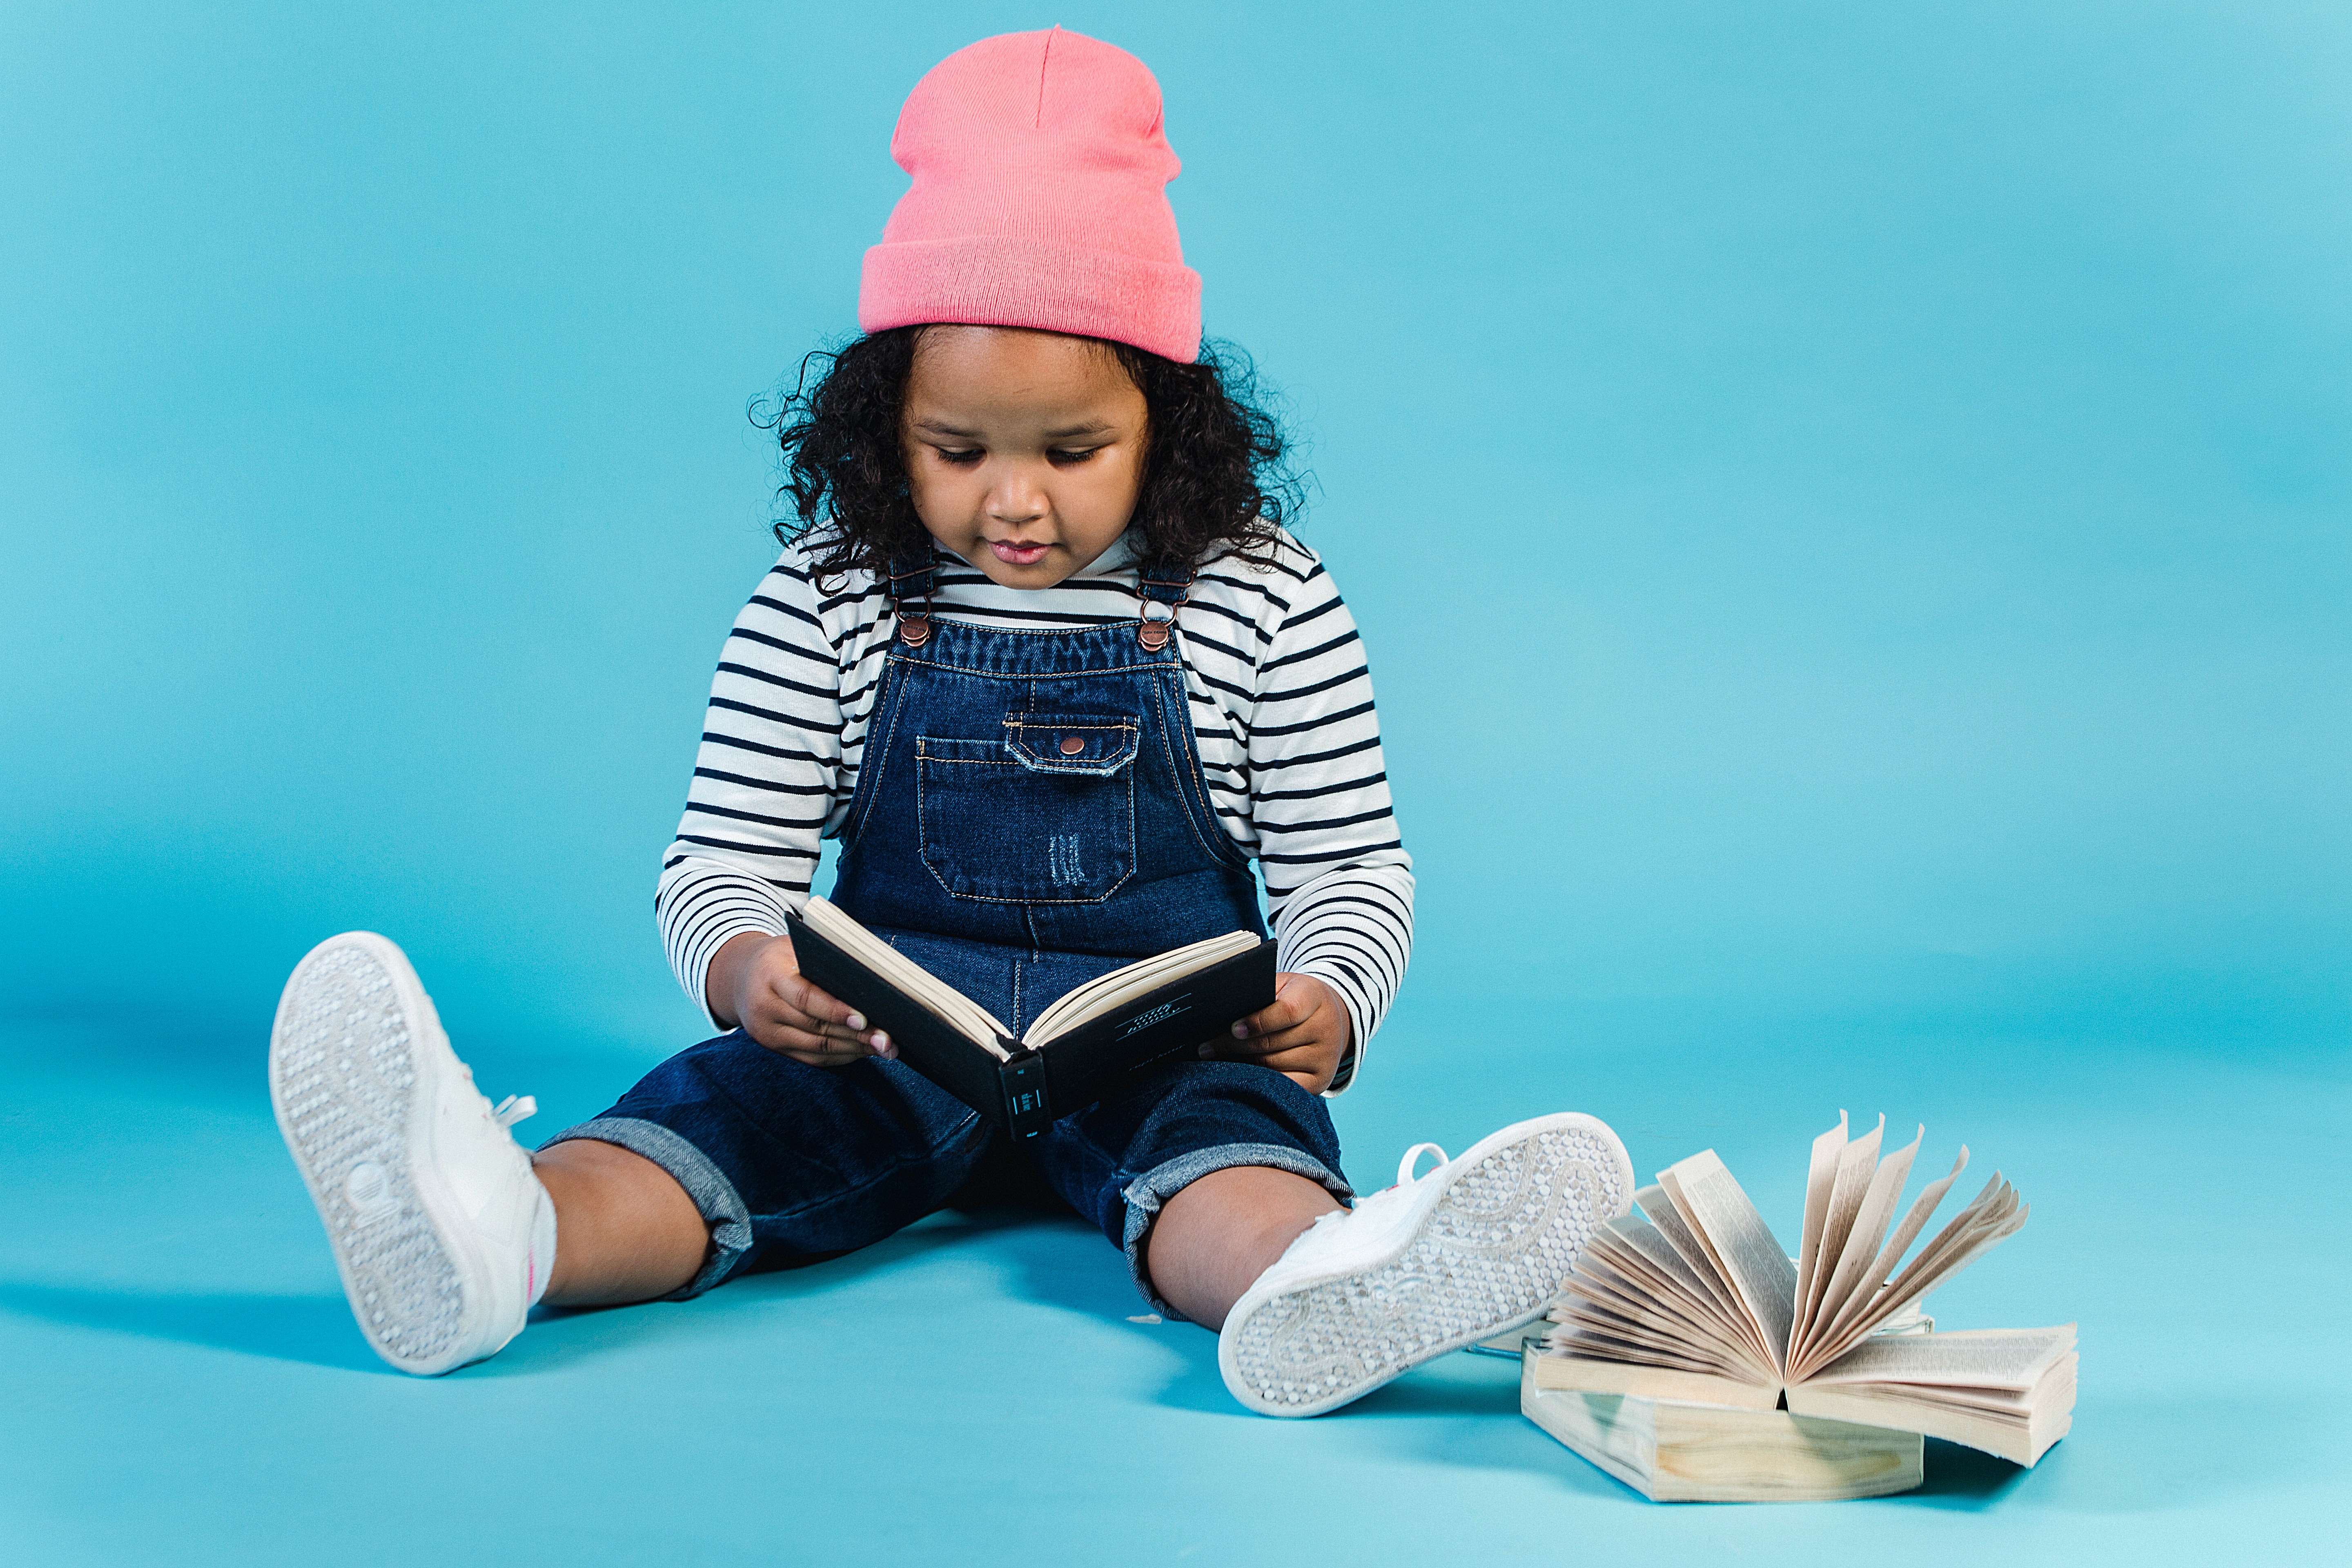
x: 1039, y: 199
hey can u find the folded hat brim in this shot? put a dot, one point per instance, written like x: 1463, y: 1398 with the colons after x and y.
x: 994, y: 281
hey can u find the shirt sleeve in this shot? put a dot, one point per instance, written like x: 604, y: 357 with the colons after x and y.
x: 764, y: 780
x: 1338, y: 879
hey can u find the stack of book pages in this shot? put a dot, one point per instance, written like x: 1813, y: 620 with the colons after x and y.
x: 1693, y: 1357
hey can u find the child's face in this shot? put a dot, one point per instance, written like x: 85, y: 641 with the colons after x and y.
x: 1025, y: 450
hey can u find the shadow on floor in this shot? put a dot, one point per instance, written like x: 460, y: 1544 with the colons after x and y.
x: 313, y: 1330
x: 1061, y: 1261
x: 1961, y: 1479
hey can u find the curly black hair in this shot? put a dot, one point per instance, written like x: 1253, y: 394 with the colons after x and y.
x: 1214, y: 472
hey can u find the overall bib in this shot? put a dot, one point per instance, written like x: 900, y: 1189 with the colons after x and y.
x: 1030, y: 813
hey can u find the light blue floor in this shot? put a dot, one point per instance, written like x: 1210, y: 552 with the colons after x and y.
x: 179, y: 1382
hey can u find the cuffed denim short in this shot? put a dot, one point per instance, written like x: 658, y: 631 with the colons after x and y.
x: 789, y: 1163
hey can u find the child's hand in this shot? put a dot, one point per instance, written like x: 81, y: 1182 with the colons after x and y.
x: 755, y: 984
x: 1303, y: 1036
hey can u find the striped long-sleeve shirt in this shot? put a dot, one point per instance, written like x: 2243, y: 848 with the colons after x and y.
x: 1282, y: 707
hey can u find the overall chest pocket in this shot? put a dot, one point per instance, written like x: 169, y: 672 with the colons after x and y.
x: 1041, y: 812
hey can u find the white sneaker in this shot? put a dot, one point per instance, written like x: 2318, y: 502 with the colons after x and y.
x: 440, y: 1230
x: 1477, y: 1246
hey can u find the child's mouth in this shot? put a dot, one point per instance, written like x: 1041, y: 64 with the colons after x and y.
x: 1013, y: 554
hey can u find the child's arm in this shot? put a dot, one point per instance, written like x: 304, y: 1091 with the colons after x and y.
x: 1337, y: 879
x: 771, y: 768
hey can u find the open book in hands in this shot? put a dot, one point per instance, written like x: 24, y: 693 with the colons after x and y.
x: 1077, y: 1048
x: 1698, y: 1302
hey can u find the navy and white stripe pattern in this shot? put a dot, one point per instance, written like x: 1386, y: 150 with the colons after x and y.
x: 1282, y: 705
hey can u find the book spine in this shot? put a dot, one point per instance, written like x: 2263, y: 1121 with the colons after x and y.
x: 1028, y: 1109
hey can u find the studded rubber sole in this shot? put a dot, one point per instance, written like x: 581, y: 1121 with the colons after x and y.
x: 350, y: 1065
x: 1490, y: 1250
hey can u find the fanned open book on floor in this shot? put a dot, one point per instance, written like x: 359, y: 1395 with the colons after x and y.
x: 1074, y: 1050
x: 1693, y: 1299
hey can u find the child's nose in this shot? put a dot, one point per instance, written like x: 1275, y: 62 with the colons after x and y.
x: 1014, y: 498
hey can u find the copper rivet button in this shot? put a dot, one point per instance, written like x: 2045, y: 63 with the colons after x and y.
x: 1072, y: 745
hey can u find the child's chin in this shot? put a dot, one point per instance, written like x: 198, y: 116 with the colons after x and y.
x: 1042, y: 573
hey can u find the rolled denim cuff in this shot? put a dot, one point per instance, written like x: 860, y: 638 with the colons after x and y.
x: 1149, y: 1192
x: 715, y: 1197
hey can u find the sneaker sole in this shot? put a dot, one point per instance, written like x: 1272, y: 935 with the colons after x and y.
x: 350, y: 1079
x: 1489, y: 1253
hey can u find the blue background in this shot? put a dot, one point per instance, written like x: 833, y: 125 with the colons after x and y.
x: 1852, y: 513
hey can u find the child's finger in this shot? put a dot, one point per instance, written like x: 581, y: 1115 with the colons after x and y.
x: 851, y: 1044
x: 821, y: 1050
x: 1264, y: 1049
x: 805, y: 1006
x: 797, y: 992
x: 1286, y: 1012
x: 782, y: 1026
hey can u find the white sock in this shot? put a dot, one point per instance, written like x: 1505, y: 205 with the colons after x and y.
x: 543, y: 1242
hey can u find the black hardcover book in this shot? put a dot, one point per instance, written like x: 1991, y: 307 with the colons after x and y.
x: 1075, y: 1050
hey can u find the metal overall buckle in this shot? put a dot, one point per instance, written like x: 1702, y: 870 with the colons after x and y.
x: 1153, y: 631
x: 914, y: 626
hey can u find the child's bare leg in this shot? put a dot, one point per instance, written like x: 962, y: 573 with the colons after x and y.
x: 626, y: 1231
x: 1218, y: 1235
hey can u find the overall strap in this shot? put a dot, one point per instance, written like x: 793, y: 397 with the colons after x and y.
x: 1163, y: 586
x: 912, y: 582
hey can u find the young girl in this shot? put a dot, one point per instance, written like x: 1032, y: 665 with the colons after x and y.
x: 1026, y: 506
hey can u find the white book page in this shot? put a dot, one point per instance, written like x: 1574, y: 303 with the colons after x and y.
x: 1635, y: 1238
x: 1995, y: 1215
x: 1866, y: 1228
x: 1883, y: 1267
x: 2054, y: 1391
x: 958, y: 1011
x: 1849, y: 1202
x: 1597, y: 1299
x: 1580, y: 1318
x: 1577, y: 1314
x: 1684, y: 1242
x: 1107, y: 992
x: 1556, y: 1370
x: 1869, y: 1290
x: 1821, y: 1180
x: 2019, y: 1442
x: 1715, y: 1205
x: 1636, y: 1249
x: 2010, y: 1359
x: 1991, y: 1403
x: 1635, y: 1295
x: 1630, y: 1249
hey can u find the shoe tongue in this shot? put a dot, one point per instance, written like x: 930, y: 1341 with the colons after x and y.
x: 1342, y: 1227
x: 1386, y: 1199
x: 1317, y: 1237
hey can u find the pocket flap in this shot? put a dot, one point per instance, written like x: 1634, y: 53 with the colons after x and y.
x: 1091, y: 743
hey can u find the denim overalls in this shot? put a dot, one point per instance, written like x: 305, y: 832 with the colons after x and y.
x: 1030, y: 814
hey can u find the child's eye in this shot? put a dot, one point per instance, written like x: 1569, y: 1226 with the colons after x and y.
x: 1064, y: 454
x: 961, y: 457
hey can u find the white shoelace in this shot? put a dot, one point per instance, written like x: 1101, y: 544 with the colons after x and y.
x: 1411, y: 1156
x: 514, y: 1108
x: 1390, y: 1197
